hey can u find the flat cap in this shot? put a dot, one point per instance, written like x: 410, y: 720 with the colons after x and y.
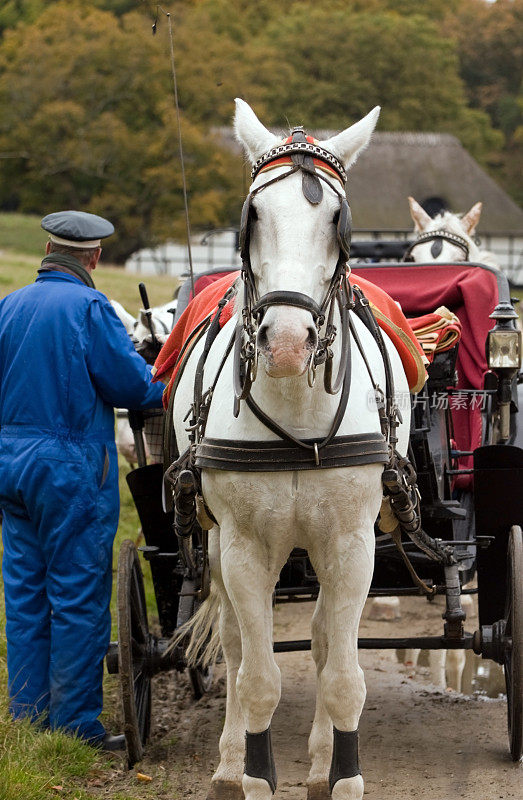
x: 77, y: 228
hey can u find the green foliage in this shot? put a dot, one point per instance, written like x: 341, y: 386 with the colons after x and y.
x: 89, y: 123
x: 14, y: 11
x: 337, y: 66
x: 94, y: 127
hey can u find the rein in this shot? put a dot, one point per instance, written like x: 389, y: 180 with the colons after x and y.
x: 438, y: 237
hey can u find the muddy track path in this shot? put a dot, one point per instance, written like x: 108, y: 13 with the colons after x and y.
x: 416, y: 741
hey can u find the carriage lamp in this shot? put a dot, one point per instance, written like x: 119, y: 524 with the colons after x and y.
x: 504, y: 349
x: 504, y: 340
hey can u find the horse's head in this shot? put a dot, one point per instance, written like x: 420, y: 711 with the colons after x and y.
x: 295, y: 232
x: 445, y: 238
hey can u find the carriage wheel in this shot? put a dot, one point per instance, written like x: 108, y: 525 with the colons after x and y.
x: 133, y: 646
x: 200, y: 677
x: 201, y: 680
x: 513, y: 659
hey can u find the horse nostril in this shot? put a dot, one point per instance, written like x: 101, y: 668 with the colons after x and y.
x: 312, y: 337
x: 263, y: 341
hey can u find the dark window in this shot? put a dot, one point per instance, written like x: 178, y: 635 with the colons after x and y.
x: 434, y: 206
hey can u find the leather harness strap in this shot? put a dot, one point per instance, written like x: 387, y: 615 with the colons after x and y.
x: 261, y: 456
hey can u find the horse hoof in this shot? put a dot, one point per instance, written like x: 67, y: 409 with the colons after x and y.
x: 225, y: 790
x: 318, y: 791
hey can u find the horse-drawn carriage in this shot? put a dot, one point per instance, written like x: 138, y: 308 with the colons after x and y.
x: 469, y: 477
x: 457, y: 517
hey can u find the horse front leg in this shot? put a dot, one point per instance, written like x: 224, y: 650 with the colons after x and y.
x: 343, y: 561
x: 320, y: 739
x: 250, y: 570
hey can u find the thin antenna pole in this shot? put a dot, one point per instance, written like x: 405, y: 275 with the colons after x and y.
x: 180, y: 147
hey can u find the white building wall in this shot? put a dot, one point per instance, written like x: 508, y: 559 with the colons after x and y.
x: 220, y: 252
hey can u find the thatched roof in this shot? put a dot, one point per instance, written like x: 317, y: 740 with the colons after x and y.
x: 424, y: 165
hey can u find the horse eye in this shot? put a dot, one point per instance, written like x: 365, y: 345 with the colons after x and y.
x: 253, y: 214
x: 336, y: 217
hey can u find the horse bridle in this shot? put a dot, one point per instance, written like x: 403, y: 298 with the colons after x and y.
x: 437, y: 237
x: 311, y: 159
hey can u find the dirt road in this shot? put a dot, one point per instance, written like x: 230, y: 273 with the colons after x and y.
x: 416, y: 741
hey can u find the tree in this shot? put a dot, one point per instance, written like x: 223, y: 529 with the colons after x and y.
x: 335, y: 66
x: 93, y: 123
x: 14, y: 11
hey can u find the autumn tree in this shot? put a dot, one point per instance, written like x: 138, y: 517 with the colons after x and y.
x: 90, y: 124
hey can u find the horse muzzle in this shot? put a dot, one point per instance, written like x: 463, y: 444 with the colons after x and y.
x: 286, y: 340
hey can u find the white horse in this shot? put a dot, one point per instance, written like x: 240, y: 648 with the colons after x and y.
x: 460, y: 230
x: 139, y: 327
x: 140, y: 331
x: 261, y: 516
x: 446, y: 667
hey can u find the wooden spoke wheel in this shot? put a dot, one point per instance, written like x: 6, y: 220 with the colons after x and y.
x: 513, y: 656
x: 134, y: 642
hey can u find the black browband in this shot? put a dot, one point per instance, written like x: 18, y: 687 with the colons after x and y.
x: 439, y: 235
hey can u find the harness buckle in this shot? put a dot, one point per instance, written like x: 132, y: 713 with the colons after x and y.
x: 316, y: 454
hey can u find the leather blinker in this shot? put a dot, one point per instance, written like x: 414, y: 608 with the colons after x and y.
x: 344, y: 228
x: 247, y: 214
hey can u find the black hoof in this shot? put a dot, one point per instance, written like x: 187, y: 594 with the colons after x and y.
x: 225, y: 790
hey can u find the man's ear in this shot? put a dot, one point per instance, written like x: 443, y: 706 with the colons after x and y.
x: 47, y: 247
x: 95, y: 258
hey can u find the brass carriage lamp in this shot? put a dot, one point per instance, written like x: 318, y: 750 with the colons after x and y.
x: 504, y: 340
x: 504, y: 358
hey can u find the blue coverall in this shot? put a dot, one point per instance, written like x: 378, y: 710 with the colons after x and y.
x: 65, y: 362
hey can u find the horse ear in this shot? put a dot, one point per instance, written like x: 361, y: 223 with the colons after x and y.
x: 250, y: 132
x: 348, y: 144
x: 419, y: 216
x: 471, y: 219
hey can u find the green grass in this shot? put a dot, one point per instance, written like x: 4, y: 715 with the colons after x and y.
x: 32, y: 762
x: 21, y: 233
x: 19, y: 269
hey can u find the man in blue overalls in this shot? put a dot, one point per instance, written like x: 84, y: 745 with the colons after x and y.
x: 65, y: 362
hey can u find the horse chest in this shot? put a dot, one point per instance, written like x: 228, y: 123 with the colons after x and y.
x: 294, y: 505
